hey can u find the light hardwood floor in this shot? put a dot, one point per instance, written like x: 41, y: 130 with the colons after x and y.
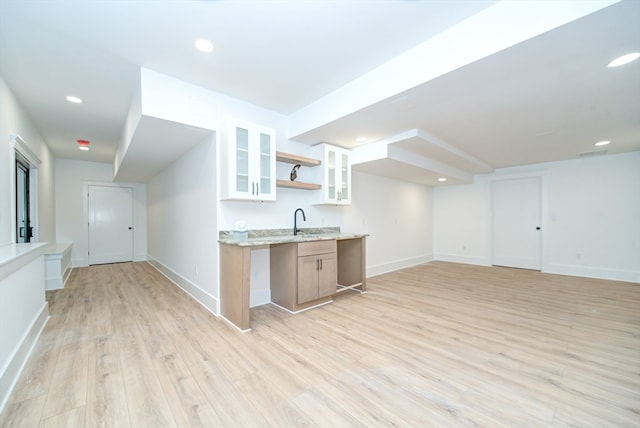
x: 434, y: 345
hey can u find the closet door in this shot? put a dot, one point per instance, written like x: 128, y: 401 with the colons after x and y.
x: 517, y: 214
x: 110, y: 224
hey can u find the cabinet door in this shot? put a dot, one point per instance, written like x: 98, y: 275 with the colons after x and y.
x: 308, y: 268
x: 241, y: 181
x: 335, y: 175
x: 251, y: 163
x: 344, y: 197
x: 327, y: 275
x: 332, y: 168
x: 265, y: 164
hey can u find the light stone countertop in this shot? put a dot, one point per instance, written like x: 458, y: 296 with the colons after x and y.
x: 282, y: 236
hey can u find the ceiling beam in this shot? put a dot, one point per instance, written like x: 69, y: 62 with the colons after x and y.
x: 494, y: 29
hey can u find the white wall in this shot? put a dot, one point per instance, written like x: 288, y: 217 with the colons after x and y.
x: 23, y: 313
x: 593, y: 218
x: 590, y: 227
x: 462, y: 223
x: 23, y: 309
x: 72, y: 179
x: 14, y: 120
x: 399, y: 218
x: 182, y: 223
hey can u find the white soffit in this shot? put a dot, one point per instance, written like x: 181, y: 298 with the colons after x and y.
x: 494, y: 29
x: 401, y: 171
x: 168, y: 119
x: 155, y: 145
x: 423, y: 144
x: 391, y: 158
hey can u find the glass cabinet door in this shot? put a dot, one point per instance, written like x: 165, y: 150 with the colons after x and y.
x: 344, y: 175
x: 266, y: 174
x: 334, y: 176
x: 249, y: 169
x: 331, y: 175
x: 242, y: 160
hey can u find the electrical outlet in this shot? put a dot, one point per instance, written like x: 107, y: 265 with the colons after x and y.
x: 195, y: 269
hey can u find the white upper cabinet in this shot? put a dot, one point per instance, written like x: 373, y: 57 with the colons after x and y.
x: 335, y: 174
x: 248, y: 162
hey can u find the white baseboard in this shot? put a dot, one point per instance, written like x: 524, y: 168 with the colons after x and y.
x: 593, y: 272
x: 13, y: 369
x: 468, y: 260
x: 555, y: 268
x: 199, y: 295
x: 398, y: 264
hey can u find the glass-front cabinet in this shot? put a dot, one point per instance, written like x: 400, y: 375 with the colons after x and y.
x: 248, y: 162
x: 335, y: 174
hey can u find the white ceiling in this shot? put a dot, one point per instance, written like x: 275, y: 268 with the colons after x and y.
x: 548, y: 98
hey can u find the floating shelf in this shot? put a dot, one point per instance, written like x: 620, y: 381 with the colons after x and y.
x: 297, y: 185
x: 295, y: 159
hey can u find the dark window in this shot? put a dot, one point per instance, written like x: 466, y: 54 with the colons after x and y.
x: 24, y: 231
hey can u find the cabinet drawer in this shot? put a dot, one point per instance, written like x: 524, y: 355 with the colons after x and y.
x: 316, y: 247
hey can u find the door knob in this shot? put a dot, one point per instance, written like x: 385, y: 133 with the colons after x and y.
x: 130, y: 227
x: 538, y: 228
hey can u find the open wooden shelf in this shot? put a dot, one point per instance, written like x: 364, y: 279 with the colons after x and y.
x: 295, y: 159
x: 297, y: 185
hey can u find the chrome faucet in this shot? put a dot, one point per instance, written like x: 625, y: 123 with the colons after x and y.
x: 295, y: 220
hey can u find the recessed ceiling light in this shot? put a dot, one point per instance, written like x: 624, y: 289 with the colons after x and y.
x: 624, y: 59
x: 442, y: 179
x: 602, y: 143
x: 204, y: 45
x: 362, y: 140
x: 74, y: 100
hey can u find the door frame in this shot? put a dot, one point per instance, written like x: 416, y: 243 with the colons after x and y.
x: 17, y: 145
x: 542, y: 176
x: 139, y: 232
x: 129, y: 190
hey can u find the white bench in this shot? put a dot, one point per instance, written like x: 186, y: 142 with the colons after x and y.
x: 57, y: 265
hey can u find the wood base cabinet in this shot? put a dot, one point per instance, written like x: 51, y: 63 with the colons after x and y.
x: 317, y: 277
x: 303, y: 274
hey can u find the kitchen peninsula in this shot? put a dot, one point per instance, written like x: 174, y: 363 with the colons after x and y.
x: 307, y: 269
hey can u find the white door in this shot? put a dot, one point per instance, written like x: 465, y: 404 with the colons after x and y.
x: 517, y: 235
x: 110, y: 224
